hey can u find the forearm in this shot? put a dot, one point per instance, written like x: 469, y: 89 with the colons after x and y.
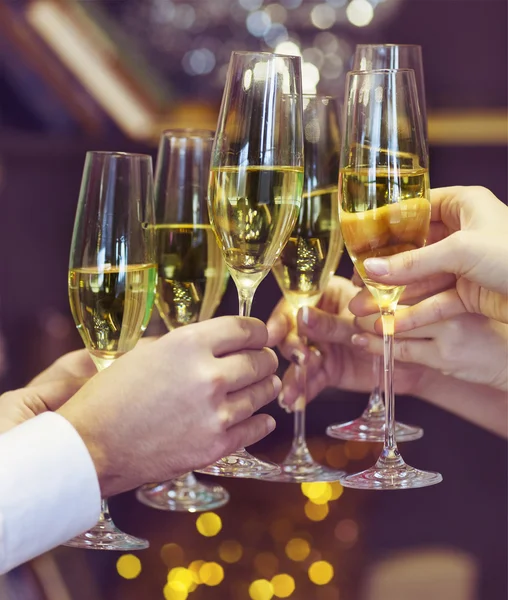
x: 480, y: 404
x: 48, y: 488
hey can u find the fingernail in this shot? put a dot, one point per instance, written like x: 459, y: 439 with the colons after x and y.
x: 359, y: 340
x: 277, y: 385
x: 282, y: 404
x: 316, y: 352
x: 270, y: 423
x: 308, y: 317
x: 377, y: 266
x: 297, y: 357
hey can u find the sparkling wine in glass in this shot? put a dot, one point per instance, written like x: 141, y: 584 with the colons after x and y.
x: 192, y: 278
x: 311, y: 257
x: 255, y: 187
x: 112, y: 279
x: 384, y: 209
x: 369, y: 427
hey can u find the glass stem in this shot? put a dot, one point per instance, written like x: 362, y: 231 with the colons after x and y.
x: 105, y: 516
x: 245, y: 297
x: 375, y: 406
x: 390, y: 456
x: 188, y: 480
x: 299, y: 452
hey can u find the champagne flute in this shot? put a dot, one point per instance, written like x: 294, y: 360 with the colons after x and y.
x: 384, y: 209
x: 112, y: 279
x: 192, y: 277
x: 255, y: 185
x: 311, y: 257
x: 369, y: 427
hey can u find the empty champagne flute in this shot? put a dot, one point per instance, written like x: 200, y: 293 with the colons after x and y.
x: 112, y: 279
x: 192, y: 278
x: 384, y: 196
x: 255, y: 185
x: 311, y: 257
x: 369, y: 427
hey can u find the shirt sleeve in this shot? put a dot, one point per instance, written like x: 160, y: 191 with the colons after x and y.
x: 49, y: 491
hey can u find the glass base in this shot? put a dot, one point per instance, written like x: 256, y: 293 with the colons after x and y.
x: 106, y: 536
x: 240, y: 464
x: 171, y: 495
x: 371, y: 428
x: 397, y: 476
x: 305, y: 472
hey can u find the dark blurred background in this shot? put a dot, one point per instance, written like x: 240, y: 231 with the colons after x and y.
x: 111, y: 74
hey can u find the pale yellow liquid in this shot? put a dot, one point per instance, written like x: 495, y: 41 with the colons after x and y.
x: 192, y: 275
x: 313, y: 251
x: 382, y: 215
x: 111, y: 308
x: 253, y: 211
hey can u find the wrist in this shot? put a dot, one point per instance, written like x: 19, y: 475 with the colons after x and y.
x: 98, y: 451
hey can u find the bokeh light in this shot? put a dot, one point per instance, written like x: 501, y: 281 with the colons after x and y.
x: 336, y: 489
x: 316, y: 490
x: 183, y: 576
x: 261, y: 589
x: 194, y: 569
x: 360, y: 13
x: 297, y: 549
x: 209, y: 524
x: 316, y: 512
x: 128, y: 566
x: 211, y: 573
x: 258, y: 23
x: 230, y: 551
x: 346, y: 531
x: 283, y: 585
x: 320, y: 572
x: 288, y: 48
x: 175, y: 590
x: 322, y: 16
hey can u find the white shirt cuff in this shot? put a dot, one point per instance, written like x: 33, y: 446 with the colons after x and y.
x: 49, y: 491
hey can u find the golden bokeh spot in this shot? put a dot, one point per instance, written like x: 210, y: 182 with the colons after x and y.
x: 320, y: 572
x: 281, y: 530
x: 266, y: 564
x: 194, y: 569
x: 316, y: 512
x: 297, y: 549
x: 182, y: 575
x: 209, y: 524
x: 336, y: 457
x: 356, y: 450
x: 325, y: 497
x: 337, y: 490
x: 283, y: 585
x: 261, y: 589
x: 128, y: 566
x: 175, y: 590
x: 172, y: 555
x: 314, y: 489
x: 230, y: 551
x: 211, y: 573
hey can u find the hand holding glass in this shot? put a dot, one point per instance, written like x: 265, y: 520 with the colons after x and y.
x: 384, y: 209
x: 112, y: 278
